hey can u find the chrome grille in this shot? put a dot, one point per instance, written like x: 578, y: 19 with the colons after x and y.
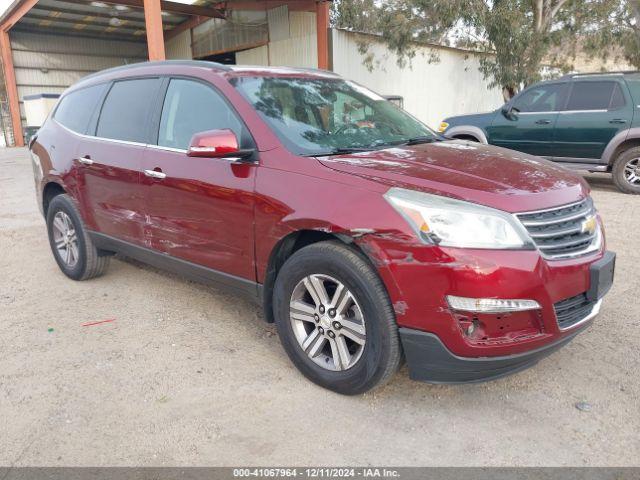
x: 560, y: 232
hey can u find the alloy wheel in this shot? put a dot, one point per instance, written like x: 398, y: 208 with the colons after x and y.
x: 632, y: 171
x: 65, y: 239
x: 327, y: 322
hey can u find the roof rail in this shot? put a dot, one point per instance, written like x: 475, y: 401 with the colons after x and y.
x: 132, y: 66
x: 597, y: 74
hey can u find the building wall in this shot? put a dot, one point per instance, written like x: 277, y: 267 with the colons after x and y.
x: 254, y: 56
x: 179, y: 47
x: 292, y: 41
x: 300, y: 49
x: 242, y: 30
x: 430, y: 91
x: 51, y: 63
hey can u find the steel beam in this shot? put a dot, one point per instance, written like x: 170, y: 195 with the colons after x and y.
x: 155, y: 36
x: 322, y: 32
x: 12, y: 88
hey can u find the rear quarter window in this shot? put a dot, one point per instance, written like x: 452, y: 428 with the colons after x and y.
x: 76, y: 108
x: 633, y: 83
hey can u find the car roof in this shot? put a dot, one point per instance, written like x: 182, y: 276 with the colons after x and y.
x: 598, y: 74
x: 226, y: 70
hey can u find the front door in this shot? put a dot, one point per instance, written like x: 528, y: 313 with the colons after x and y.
x: 199, y: 209
x: 529, y: 127
x: 596, y: 111
x: 111, y: 160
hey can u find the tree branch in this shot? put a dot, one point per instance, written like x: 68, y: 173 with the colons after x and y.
x: 538, y: 6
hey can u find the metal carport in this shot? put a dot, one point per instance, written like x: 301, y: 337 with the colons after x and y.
x: 49, y: 44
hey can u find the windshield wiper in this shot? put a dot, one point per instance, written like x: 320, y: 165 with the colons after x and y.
x: 343, y: 150
x: 421, y: 139
x: 379, y: 146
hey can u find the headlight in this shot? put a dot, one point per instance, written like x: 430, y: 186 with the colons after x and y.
x: 454, y: 223
x: 443, y: 126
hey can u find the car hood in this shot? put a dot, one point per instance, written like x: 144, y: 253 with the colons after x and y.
x: 488, y: 175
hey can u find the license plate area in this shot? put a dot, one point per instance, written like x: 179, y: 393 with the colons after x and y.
x: 602, y: 273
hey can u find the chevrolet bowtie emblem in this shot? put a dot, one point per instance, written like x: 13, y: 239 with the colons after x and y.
x: 589, y: 225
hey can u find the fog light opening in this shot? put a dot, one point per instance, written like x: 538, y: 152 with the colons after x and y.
x: 471, y: 328
x: 467, y: 325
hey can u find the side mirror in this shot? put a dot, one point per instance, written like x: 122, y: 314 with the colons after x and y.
x: 217, y: 144
x: 509, y: 112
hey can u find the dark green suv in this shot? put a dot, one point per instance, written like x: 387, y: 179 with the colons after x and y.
x: 583, y: 121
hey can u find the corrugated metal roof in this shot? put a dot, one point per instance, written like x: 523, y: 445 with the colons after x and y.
x: 95, y: 19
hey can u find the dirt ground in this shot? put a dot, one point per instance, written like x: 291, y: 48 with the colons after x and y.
x: 186, y: 375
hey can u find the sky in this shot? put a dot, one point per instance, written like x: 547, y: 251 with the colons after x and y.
x: 4, y: 4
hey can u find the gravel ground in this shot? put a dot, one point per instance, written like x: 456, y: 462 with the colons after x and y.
x: 186, y: 375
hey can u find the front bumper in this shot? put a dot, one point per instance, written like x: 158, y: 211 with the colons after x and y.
x: 420, y: 277
x: 430, y: 361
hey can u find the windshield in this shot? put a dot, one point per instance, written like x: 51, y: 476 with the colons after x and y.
x: 327, y: 116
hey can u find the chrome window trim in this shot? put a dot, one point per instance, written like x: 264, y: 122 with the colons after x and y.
x: 594, y: 311
x: 95, y: 137
x: 602, y: 110
x: 167, y: 149
x: 138, y: 144
x: 549, y: 112
x: 564, y: 112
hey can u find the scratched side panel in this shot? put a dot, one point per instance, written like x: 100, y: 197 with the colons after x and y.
x: 52, y: 157
x: 110, y: 188
x: 304, y: 195
x: 202, y: 211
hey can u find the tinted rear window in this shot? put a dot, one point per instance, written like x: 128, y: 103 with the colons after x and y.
x: 76, y: 108
x: 591, y: 95
x: 125, y: 113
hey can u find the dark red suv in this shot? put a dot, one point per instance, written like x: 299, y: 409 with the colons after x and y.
x: 367, y: 237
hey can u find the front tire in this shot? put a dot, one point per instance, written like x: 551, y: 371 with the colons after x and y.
x: 626, y: 171
x: 75, y: 253
x: 335, y: 319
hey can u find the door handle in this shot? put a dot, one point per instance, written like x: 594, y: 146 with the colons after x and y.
x: 618, y: 120
x: 86, y: 160
x: 543, y: 122
x: 155, y: 174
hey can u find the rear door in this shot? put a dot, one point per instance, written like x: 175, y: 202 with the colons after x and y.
x: 530, y: 127
x: 596, y: 111
x: 201, y: 209
x: 112, y: 159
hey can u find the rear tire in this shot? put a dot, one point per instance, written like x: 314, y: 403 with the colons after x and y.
x: 626, y: 171
x: 351, y: 357
x: 75, y: 253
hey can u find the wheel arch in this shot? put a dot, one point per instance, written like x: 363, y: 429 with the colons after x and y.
x: 462, y: 131
x: 286, y: 247
x: 624, y: 140
x: 50, y: 190
x: 623, y: 147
